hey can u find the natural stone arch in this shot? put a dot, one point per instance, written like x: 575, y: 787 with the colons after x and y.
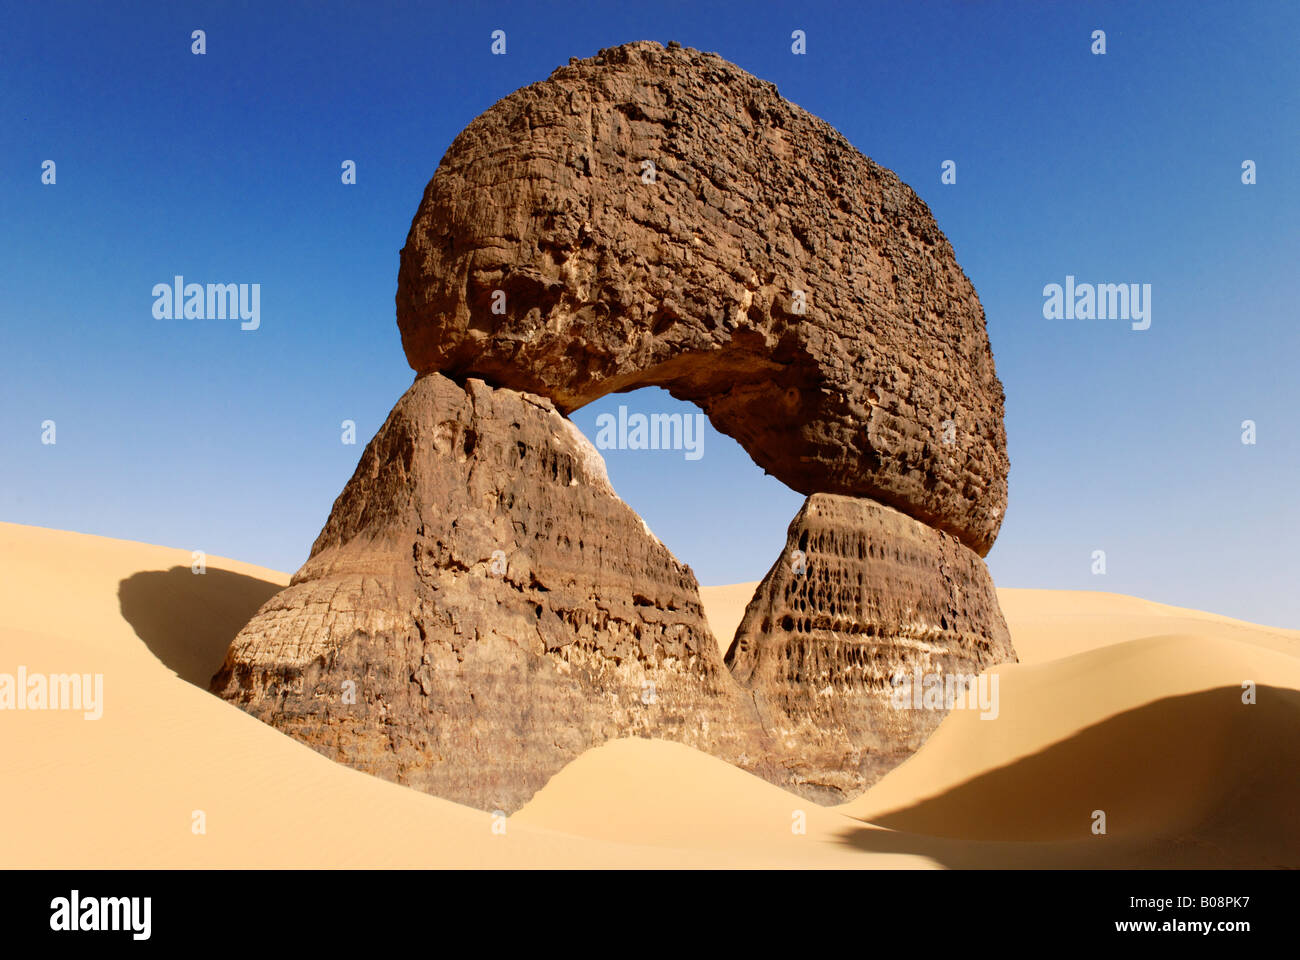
x: 481, y: 607
x: 763, y: 269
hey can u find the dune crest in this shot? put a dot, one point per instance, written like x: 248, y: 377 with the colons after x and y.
x: 1127, y: 692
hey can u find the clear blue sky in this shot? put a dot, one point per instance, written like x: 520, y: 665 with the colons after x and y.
x: 226, y: 167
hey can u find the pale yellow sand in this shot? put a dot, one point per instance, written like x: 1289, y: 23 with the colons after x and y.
x: 1118, y: 704
x: 1049, y: 624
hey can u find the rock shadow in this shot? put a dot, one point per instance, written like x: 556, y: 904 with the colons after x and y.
x: 186, y: 619
x: 1198, y: 780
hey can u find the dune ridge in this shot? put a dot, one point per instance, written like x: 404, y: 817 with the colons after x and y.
x: 1118, y: 703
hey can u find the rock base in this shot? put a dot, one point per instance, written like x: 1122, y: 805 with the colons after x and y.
x: 862, y: 600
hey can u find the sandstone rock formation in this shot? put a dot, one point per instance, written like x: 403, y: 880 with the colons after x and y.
x: 762, y: 268
x: 860, y: 598
x: 493, y: 609
x: 480, y: 607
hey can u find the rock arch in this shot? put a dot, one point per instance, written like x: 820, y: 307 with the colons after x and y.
x: 481, y: 607
x: 799, y: 293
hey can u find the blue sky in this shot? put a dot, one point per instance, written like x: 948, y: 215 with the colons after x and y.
x: 226, y: 167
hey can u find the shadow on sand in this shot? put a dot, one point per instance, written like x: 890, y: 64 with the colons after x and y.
x: 188, y: 620
x: 1199, y: 780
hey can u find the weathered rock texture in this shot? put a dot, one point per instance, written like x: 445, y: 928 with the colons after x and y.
x: 494, y: 608
x: 481, y: 608
x: 860, y: 597
x: 690, y: 279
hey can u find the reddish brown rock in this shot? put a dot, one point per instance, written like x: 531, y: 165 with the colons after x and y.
x: 863, y: 600
x: 763, y: 268
x: 481, y: 608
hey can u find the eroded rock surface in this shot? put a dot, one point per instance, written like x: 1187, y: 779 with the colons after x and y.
x: 862, y: 600
x: 662, y: 217
x: 491, y: 609
x: 481, y: 608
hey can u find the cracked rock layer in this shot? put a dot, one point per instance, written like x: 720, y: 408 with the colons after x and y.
x: 861, y: 599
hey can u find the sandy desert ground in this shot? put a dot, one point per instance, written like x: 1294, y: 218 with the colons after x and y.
x: 1118, y: 704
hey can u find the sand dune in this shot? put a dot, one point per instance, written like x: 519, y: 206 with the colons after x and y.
x: 122, y: 790
x: 725, y: 608
x: 1122, y: 705
x: 1049, y: 624
x: 1152, y: 731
